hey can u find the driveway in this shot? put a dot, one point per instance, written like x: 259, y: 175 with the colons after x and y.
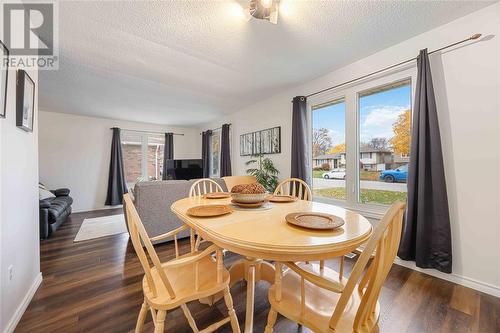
x: 366, y: 184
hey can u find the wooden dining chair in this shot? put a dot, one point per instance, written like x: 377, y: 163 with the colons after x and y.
x: 316, y: 299
x: 173, y: 284
x: 204, y: 186
x: 295, y: 187
x: 201, y: 187
x: 298, y: 188
x: 232, y: 181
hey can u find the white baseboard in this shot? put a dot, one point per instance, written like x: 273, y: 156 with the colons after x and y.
x: 455, y: 278
x: 11, y: 326
x: 96, y: 209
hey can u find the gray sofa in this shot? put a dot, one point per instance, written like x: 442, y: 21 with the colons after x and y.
x: 153, y: 199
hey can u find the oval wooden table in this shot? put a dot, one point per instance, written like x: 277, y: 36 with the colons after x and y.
x: 262, y: 235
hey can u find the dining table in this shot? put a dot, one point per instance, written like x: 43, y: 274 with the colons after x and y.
x: 262, y: 235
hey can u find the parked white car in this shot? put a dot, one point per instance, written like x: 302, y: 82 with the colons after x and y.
x: 335, y: 174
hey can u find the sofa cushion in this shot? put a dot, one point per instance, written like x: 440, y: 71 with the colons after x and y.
x: 58, y: 206
x: 44, y: 194
x: 45, y: 203
x: 153, y: 200
x: 61, y: 192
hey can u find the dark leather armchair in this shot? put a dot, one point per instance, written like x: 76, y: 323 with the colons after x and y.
x: 54, y: 211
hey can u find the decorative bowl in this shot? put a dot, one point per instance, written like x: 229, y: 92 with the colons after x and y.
x: 249, y: 198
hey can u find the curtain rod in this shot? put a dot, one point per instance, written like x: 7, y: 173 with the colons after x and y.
x: 475, y: 36
x: 215, y: 129
x: 152, y: 132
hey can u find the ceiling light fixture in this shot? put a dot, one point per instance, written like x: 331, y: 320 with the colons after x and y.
x: 265, y: 10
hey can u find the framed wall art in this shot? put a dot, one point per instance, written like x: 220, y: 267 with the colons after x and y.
x: 4, y: 76
x: 266, y: 141
x: 25, y: 101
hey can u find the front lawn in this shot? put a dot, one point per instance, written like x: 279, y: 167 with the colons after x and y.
x: 367, y: 196
x: 369, y: 175
x: 318, y: 173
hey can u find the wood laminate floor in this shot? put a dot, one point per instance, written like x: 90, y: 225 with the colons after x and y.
x: 95, y: 286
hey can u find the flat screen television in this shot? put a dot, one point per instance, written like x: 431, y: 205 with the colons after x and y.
x: 184, y: 169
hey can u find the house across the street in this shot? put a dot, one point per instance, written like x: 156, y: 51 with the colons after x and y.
x: 335, y: 161
x: 371, y: 159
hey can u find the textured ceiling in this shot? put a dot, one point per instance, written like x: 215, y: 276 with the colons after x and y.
x: 189, y: 62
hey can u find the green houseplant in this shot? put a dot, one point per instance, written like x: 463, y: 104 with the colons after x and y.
x: 265, y: 172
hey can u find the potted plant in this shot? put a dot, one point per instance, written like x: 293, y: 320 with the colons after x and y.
x: 265, y: 172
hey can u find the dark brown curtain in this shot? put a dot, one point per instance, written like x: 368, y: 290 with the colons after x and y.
x: 205, y: 151
x: 225, y: 153
x: 168, y: 152
x: 426, y: 234
x: 116, y: 179
x: 300, y: 151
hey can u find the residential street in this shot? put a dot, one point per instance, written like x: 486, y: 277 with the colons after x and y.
x: 366, y: 184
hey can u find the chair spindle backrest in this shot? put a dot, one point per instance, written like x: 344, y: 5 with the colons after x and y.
x: 385, y: 240
x: 204, y: 186
x: 139, y: 237
x: 295, y: 187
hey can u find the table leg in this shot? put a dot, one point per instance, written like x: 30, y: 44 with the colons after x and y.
x: 250, y: 299
x: 252, y: 270
x: 264, y: 271
x: 238, y: 272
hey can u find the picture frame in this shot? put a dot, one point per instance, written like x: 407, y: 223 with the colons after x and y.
x: 267, y: 141
x: 25, y: 101
x: 4, y: 78
x: 276, y: 140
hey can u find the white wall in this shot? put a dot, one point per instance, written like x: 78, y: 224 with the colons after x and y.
x: 272, y: 112
x: 19, y: 235
x: 467, y: 86
x: 75, y: 153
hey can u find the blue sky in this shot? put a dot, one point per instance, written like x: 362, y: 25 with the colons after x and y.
x: 377, y: 114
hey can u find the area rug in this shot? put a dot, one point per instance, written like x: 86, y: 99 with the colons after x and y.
x: 101, y: 227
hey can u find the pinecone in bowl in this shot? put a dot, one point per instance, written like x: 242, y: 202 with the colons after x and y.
x: 248, y: 193
x: 254, y: 188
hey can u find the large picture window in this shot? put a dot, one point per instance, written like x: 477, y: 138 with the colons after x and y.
x: 328, y: 149
x: 384, y: 142
x: 361, y: 143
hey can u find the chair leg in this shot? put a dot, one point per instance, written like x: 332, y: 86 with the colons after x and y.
x: 160, y: 321
x: 142, y: 317
x: 341, y: 270
x: 189, y: 318
x: 271, y: 320
x: 235, y: 326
